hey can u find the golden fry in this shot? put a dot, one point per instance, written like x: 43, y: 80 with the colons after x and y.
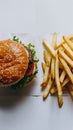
x: 54, y: 89
x: 65, y: 82
x: 43, y: 66
x: 62, y: 76
x: 62, y: 42
x: 60, y: 65
x: 45, y: 79
x: 49, y: 48
x: 68, y: 50
x: 59, y: 87
x: 53, y: 68
x: 69, y: 43
x: 66, y: 58
x: 67, y: 69
x: 47, y: 58
x: 47, y: 89
x: 54, y: 40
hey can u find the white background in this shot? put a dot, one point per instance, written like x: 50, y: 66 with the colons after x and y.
x: 38, y: 17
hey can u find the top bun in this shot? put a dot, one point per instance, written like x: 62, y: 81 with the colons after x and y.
x: 13, y: 62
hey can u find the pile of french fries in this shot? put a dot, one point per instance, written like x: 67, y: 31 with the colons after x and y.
x: 58, y: 67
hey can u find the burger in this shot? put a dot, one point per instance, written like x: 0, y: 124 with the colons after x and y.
x: 18, y: 63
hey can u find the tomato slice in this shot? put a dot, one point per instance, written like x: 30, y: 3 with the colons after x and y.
x: 30, y: 71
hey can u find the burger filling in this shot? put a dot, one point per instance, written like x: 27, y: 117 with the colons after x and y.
x: 32, y: 66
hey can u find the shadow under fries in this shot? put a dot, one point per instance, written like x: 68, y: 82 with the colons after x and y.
x: 9, y: 97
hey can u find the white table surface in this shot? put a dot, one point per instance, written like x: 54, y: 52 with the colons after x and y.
x: 38, y: 17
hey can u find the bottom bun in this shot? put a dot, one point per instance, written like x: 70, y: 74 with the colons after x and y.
x: 27, y: 84
x: 22, y: 84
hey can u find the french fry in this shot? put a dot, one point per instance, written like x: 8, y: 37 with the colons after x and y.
x: 54, y: 89
x: 62, y: 76
x: 53, y: 68
x: 59, y: 87
x: 70, y: 37
x: 45, y: 79
x: 67, y: 69
x: 43, y: 66
x: 47, y: 89
x: 65, y: 82
x: 49, y: 48
x: 60, y: 48
x: 54, y: 40
x: 47, y: 58
x: 68, y: 50
x: 69, y: 43
x: 66, y: 58
x: 60, y: 65
x: 62, y: 42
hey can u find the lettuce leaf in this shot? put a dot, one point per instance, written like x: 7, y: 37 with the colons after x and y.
x: 32, y: 48
x: 16, y: 39
x: 22, y: 83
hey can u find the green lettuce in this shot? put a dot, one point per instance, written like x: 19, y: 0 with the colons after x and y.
x: 25, y: 80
